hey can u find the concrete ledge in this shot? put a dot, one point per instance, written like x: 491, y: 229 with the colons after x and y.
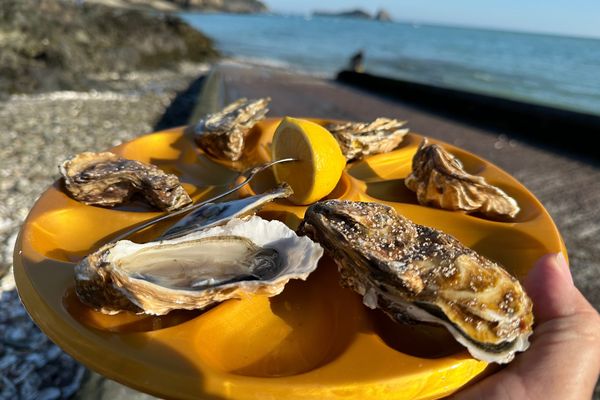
x: 547, y: 125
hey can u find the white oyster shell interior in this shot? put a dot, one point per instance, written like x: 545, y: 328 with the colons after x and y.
x: 242, y: 258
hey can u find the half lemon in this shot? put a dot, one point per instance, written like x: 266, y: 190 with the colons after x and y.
x: 320, y: 164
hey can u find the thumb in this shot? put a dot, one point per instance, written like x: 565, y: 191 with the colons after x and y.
x: 550, y: 286
x: 564, y: 358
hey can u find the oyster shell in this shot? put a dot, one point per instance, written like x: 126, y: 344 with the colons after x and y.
x: 439, y: 179
x: 213, y: 214
x: 359, y: 139
x: 417, y: 273
x: 106, y: 179
x: 223, y: 134
x: 243, y: 257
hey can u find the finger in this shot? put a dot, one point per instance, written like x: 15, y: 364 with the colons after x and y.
x: 563, y: 361
x: 550, y: 286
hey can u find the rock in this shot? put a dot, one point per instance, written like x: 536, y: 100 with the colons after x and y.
x: 357, y: 13
x: 60, y: 45
x: 383, y: 15
x: 231, y: 6
x: 96, y: 387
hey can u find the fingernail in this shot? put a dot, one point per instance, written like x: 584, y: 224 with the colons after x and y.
x: 564, y: 266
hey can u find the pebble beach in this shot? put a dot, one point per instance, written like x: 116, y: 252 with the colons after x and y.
x: 40, y: 131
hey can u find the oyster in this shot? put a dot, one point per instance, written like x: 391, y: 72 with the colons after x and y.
x: 416, y: 273
x: 359, y: 139
x: 439, y: 179
x: 106, y: 179
x: 213, y: 214
x: 243, y: 257
x: 223, y: 134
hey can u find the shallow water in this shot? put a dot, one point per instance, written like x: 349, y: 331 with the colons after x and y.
x: 552, y: 70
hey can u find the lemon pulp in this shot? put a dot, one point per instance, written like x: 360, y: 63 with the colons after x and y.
x: 320, y: 164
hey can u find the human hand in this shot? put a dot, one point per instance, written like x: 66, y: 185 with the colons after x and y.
x: 563, y: 361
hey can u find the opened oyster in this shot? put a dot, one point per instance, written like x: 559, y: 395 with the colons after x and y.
x: 359, y: 139
x: 417, y: 273
x: 223, y: 134
x: 245, y: 256
x: 106, y: 179
x: 213, y: 214
x: 439, y: 179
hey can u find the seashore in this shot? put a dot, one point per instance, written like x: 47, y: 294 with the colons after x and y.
x: 42, y: 129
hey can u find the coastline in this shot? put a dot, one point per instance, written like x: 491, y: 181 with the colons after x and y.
x: 240, y: 6
x: 554, y: 71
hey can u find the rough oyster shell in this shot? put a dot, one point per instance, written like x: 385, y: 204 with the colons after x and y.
x: 359, y: 139
x: 213, y: 214
x: 106, y: 179
x: 413, y: 272
x: 243, y: 257
x: 223, y: 134
x: 439, y: 179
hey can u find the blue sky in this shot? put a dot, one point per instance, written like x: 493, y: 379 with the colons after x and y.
x: 567, y: 17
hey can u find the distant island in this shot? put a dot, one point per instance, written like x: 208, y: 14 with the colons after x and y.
x: 381, y: 15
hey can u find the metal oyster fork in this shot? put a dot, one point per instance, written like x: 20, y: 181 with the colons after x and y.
x: 247, y: 174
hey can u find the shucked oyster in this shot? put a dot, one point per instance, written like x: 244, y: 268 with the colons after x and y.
x: 439, y: 179
x: 245, y: 256
x: 413, y: 272
x: 359, y: 139
x: 223, y: 134
x: 213, y: 214
x: 106, y: 179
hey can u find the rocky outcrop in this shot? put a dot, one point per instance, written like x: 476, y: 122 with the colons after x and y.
x: 383, y: 15
x: 171, y: 6
x: 54, y: 44
x: 361, y: 14
x: 231, y: 6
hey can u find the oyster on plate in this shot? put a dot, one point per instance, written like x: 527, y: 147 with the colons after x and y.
x: 223, y: 134
x: 213, y: 214
x: 244, y: 257
x: 416, y: 273
x: 439, y: 179
x: 359, y: 139
x: 106, y: 179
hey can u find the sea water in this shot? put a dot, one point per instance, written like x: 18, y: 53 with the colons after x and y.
x: 553, y: 70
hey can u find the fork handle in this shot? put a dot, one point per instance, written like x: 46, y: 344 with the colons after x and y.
x: 248, y: 175
x: 185, y: 210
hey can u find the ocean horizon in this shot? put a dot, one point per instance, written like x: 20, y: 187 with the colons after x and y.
x: 540, y: 68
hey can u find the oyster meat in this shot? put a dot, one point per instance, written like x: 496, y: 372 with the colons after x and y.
x: 243, y: 257
x: 439, y: 179
x: 106, y: 179
x: 213, y: 214
x: 360, y: 139
x: 416, y: 273
x: 223, y: 134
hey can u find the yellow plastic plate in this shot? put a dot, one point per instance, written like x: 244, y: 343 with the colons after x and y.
x: 314, y: 341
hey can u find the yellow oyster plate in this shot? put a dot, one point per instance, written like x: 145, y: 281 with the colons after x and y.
x: 315, y: 340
